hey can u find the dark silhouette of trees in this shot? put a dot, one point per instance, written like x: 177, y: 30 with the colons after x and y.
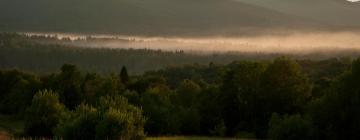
x: 279, y: 99
x: 69, y: 86
x: 124, y: 76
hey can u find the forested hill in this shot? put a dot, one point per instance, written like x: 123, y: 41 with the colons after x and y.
x: 142, y: 17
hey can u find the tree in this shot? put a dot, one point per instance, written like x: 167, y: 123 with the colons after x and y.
x: 79, y: 124
x: 285, y: 89
x: 336, y: 114
x: 239, y: 96
x: 187, y: 93
x: 111, y: 85
x: 161, y: 114
x: 292, y: 127
x: 124, y: 75
x: 116, y: 124
x: 210, y: 110
x: 44, y: 114
x: 17, y: 90
x: 112, y: 119
x: 69, y: 86
x: 91, y: 87
x: 119, y: 120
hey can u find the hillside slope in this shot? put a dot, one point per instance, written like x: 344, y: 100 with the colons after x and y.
x: 141, y: 17
x: 334, y: 12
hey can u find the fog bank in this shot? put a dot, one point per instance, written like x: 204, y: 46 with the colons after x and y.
x: 292, y: 43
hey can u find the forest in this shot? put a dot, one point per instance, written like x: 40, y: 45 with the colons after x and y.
x: 269, y: 97
x: 48, y: 54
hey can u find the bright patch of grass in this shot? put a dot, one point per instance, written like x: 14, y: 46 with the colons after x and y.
x: 190, y: 138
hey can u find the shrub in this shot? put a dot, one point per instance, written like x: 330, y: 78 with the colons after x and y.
x: 290, y: 128
x: 113, y: 118
x: 44, y: 114
x: 80, y: 124
x: 116, y: 124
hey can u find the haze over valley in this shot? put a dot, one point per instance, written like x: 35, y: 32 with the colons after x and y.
x: 279, y: 26
x: 286, y: 43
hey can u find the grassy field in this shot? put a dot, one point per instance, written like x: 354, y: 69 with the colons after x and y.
x: 191, y: 138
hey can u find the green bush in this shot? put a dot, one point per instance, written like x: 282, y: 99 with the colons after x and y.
x: 292, y: 127
x: 113, y: 118
x: 119, y: 120
x: 80, y: 124
x: 44, y: 114
x: 116, y: 124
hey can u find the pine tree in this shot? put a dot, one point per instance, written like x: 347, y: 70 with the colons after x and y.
x: 124, y: 75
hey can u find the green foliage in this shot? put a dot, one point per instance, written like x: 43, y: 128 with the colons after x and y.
x: 239, y: 97
x: 80, y: 124
x: 111, y: 85
x: 210, y: 111
x: 92, y: 87
x: 285, y: 88
x: 116, y: 124
x: 44, y: 114
x: 17, y: 89
x: 219, y: 129
x: 336, y: 114
x: 113, y: 119
x: 234, y: 100
x: 161, y: 114
x: 292, y: 127
x: 69, y: 85
x: 187, y: 93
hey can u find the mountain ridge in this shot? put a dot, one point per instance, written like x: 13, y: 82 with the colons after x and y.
x: 144, y: 17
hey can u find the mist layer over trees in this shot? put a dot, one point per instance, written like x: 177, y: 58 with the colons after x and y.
x: 48, y: 54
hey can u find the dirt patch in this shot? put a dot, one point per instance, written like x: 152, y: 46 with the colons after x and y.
x: 4, y: 135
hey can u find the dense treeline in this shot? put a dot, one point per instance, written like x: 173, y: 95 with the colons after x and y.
x: 277, y: 99
x: 48, y: 55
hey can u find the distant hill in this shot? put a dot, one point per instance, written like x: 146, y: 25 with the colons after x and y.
x: 143, y: 17
x: 334, y: 12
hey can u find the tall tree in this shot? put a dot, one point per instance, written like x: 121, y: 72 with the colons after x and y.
x: 44, y: 114
x: 239, y: 94
x: 124, y: 76
x: 337, y: 113
x: 70, y: 81
x: 284, y: 87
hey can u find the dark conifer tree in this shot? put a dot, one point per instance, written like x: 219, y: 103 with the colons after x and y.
x: 124, y: 76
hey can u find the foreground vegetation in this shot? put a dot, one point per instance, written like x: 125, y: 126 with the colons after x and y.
x: 277, y: 99
x: 190, y: 138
